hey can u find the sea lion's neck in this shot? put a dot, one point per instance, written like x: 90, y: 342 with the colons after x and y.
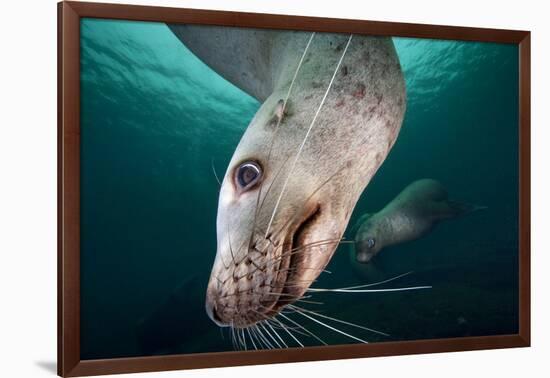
x: 383, y: 229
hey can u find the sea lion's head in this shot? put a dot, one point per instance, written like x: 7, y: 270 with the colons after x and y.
x: 368, y: 240
x: 280, y: 219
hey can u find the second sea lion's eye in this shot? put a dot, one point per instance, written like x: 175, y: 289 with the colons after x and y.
x: 371, y: 242
x: 247, y: 175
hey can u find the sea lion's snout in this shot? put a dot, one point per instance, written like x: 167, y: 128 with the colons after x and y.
x: 254, y: 278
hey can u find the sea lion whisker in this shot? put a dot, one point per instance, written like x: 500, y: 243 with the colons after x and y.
x: 264, y: 337
x: 244, y: 338
x: 301, y: 250
x: 279, y: 119
x: 297, y: 213
x: 299, y: 281
x: 236, y: 337
x: 295, y: 283
x: 252, y: 330
x: 240, y: 333
x: 292, y: 296
x: 256, y: 294
x: 339, y: 320
x: 272, y: 261
x: 293, y: 300
x: 303, y: 328
x: 288, y: 331
x: 251, y: 339
x: 255, y: 213
x: 223, y: 263
x: 232, y: 257
x: 313, y: 193
x: 245, y: 255
x: 286, y: 327
x: 309, y: 302
x: 259, y: 208
x: 295, y: 269
x: 278, y: 325
x: 294, y: 329
x: 253, y: 334
x: 307, y: 135
x: 255, y: 338
x: 302, y: 247
x: 276, y: 333
x: 262, y: 324
x: 263, y: 315
x: 215, y: 173
x: 230, y: 248
x: 233, y: 336
x: 239, y: 341
x: 328, y: 326
x: 261, y: 334
x: 315, y: 244
x: 375, y: 283
x: 369, y: 290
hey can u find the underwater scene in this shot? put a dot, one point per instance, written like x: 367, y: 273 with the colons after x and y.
x: 431, y: 246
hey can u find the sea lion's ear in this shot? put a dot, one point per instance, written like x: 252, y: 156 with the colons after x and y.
x: 279, y: 113
x: 280, y: 109
x: 240, y: 55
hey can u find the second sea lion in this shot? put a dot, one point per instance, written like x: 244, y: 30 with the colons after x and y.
x: 411, y: 215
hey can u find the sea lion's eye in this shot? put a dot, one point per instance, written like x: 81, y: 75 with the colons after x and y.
x: 248, y: 175
x: 371, y: 242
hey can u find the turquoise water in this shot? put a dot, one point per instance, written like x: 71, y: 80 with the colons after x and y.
x: 154, y: 117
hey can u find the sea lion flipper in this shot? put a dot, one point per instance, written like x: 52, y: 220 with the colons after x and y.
x: 459, y: 208
x: 240, y: 55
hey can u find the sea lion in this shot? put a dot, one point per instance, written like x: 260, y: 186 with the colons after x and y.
x: 332, y: 107
x: 409, y: 216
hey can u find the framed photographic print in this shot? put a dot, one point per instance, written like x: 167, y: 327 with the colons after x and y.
x: 240, y: 188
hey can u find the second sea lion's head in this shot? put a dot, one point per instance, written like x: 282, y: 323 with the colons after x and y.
x: 368, y: 240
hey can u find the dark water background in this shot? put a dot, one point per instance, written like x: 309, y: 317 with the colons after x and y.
x: 153, y: 118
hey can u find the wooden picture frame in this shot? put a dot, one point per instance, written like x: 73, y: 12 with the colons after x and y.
x: 69, y: 15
